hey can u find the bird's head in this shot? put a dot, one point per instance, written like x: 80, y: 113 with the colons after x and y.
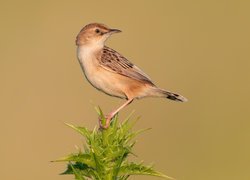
x: 94, y: 34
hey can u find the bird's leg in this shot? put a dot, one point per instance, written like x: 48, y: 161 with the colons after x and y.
x: 113, y: 113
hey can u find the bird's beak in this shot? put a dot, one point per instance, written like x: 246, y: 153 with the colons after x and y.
x: 112, y: 31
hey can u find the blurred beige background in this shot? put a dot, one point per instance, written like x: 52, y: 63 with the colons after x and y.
x: 200, y: 49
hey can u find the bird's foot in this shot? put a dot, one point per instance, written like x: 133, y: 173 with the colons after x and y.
x: 108, y: 119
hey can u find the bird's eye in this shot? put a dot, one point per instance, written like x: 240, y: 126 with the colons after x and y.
x: 97, y: 30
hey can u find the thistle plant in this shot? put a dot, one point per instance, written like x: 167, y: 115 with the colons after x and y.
x: 105, y: 154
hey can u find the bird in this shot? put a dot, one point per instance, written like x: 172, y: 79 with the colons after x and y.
x: 112, y: 73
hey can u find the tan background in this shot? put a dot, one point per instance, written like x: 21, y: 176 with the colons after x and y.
x: 197, y: 48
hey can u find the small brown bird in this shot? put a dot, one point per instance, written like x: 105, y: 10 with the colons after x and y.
x: 110, y: 72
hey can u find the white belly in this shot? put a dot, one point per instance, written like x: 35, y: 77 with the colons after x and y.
x: 98, y: 77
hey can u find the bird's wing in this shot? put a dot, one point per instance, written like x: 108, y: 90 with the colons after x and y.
x: 115, y: 62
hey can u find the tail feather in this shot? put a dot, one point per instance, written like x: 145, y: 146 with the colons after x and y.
x: 176, y: 97
x: 170, y: 95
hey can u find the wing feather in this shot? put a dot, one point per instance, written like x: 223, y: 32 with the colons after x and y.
x: 115, y: 62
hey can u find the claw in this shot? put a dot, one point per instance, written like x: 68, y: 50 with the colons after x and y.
x: 112, y: 114
x: 108, y: 120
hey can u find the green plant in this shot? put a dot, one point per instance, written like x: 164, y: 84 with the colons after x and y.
x: 105, y: 155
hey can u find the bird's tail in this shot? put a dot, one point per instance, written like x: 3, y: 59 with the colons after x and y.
x: 170, y: 95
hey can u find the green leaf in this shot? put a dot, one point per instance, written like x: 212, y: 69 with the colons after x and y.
x: 132, y: 135
x: 139, y: 169
x: 119, y: 162
x: 82, y: 130
x: 101, y: 115
x: 76, y: 169
x: 83, y: 158
x: 105, y: 153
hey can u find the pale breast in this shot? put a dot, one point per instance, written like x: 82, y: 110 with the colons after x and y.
x: 88, y: 63
x: 97, y: 76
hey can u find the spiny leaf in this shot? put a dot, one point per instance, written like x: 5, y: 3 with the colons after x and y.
x: 119, y: 162
x: 139, y: 169
x: 134, y: 134
x: 98, y: 164
x: 83, y: 158
x: 77, y: 172
x: 101, y: 115
x: 105, y: 155
x: 114, y: 123
x: 82, y: 130
x: 126, y: 128
x: 99, y: 111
